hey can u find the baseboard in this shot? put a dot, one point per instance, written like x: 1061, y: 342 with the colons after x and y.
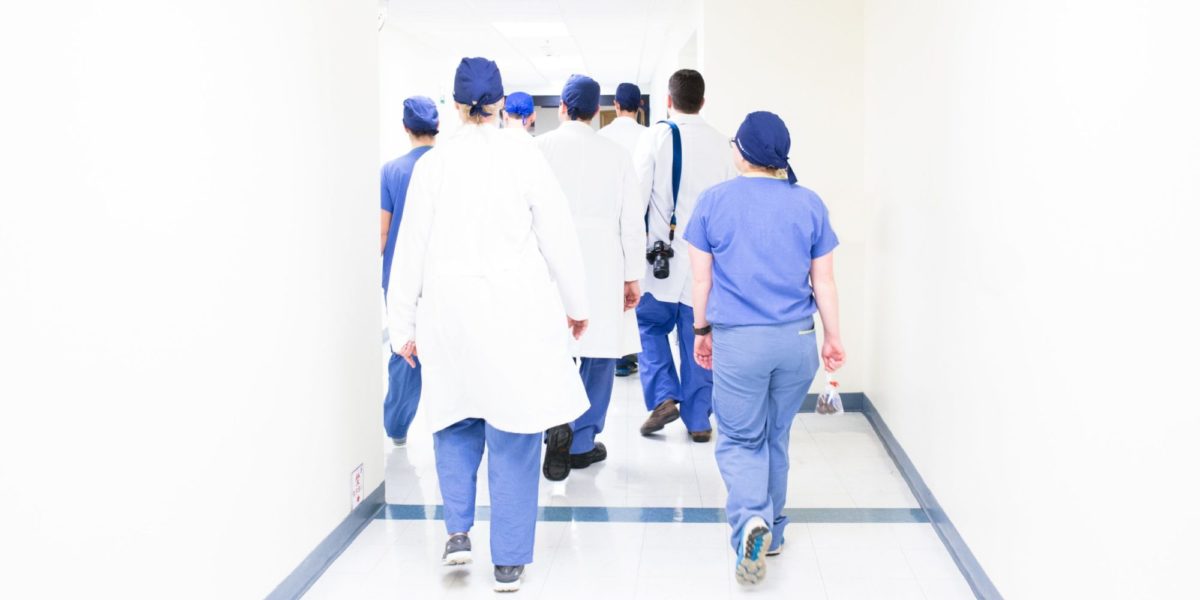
x: 314, y: 565
x: 967, y: 564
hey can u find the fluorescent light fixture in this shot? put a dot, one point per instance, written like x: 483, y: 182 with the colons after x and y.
x: 532, y: 29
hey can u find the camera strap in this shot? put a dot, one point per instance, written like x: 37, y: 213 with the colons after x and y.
x: 676, y: 175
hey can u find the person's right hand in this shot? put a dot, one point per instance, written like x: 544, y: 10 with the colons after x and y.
x: 833, y: 354
x: 407, y: 352
x: 577, y: 327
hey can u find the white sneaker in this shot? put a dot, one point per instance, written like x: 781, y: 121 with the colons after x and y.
x: 751, y: 565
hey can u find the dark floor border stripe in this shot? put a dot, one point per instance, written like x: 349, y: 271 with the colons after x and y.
x: 314, y: 565
x: 664, y: 514
x: 980, y: 583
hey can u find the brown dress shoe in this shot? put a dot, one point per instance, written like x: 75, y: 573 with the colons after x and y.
x: 663, y: 413
x: 701, y: 437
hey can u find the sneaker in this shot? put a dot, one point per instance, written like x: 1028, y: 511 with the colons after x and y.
x: 627, y: 366
x: 400, y: 442
x: 508, y: 579
x: 701, y: 437
x: 751, y: 565
x: 595, y: 455
x: 663, y: 413
x: 458, y: 550
x: 557, y: 465
x: 776, y: 551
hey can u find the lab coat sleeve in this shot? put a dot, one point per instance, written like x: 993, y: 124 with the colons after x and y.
x: 408, y: 262
x: 556, y: 235
x: 655, y: 163
x: 643, y: 166
x: 633, y: 225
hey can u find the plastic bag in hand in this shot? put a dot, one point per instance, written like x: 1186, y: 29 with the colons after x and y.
x: 829, y: 402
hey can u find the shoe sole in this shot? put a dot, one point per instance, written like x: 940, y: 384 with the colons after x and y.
x: 671, y: 419
x: 462, y: 557
x: 558, y: 453
x: 504, y: 588
x: 751, y: 568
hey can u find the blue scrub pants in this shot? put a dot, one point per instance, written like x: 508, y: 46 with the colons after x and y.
x: 514, y: 461
x: 597, y: 375
x: 760, y: 377
x: 403, y: 394
x: 692, y: 387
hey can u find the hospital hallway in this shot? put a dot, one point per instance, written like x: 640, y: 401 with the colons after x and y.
x: 648, y: 524
x: 217, y: 216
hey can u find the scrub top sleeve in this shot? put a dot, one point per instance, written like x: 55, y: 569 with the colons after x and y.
x: 385, y: 194
x: 697, y: 229
x: 824, y: 238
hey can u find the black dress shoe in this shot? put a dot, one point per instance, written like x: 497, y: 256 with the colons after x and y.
x: 663, y: 413
x: 595, y: 455
x: 701, y: 437
x: 557, y: 465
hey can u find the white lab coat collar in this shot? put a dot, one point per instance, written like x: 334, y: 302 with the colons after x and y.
x: 579, y: 125
x: 685, y: 118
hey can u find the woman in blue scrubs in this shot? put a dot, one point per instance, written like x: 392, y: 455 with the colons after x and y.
x: 762, y: 266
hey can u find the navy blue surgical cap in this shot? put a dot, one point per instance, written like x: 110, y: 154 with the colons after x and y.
x: 420, y: 115
x: 763, y: 140
x: 477, y: 84
x: 581, y: 95
x: 519, y: 104
x: 629, y: 96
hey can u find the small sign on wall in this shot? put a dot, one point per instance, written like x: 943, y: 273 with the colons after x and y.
x: 356, y: 487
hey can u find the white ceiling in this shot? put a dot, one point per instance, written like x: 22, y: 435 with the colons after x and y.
x: 537, y: 43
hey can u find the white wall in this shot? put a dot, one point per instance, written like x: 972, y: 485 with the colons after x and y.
x: 189, y: 287
x: 1032, y: 172
x: 802, y: 61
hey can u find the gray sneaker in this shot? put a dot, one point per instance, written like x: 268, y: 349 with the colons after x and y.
x: 508, y: 579
x: 458, y: 550
x: 400, y: 442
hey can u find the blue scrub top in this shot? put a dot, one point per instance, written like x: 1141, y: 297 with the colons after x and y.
x: 763, y: 234
x: 393, y: 186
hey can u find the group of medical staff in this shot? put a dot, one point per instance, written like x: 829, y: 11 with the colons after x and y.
x: 562, y: 249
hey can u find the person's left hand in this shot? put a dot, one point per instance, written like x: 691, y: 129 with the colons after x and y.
x: 633, y: 294
x: 407, y: 352
x: 703, y: 351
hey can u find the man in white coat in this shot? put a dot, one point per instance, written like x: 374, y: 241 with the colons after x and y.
x: 598, y: 179
x: 626, y: 131
x: 667, y: 305
x: 487, y: 264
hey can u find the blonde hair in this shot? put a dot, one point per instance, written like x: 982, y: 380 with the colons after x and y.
x: 464, y: 112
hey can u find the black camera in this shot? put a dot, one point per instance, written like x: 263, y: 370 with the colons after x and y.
x: 659, y: 258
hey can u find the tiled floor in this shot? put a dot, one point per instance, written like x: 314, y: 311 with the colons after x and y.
x: 837, y: 462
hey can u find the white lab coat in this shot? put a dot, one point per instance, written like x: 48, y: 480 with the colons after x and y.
x: 707, y: 161
x: 487, y: 267
x: 625, y: 131
x: 602, y: 189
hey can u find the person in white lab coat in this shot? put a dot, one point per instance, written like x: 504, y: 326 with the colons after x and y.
x: 487, y: 264
x: 519, y: 113
x: 626, y: 131
x: 602, y: 189
x: 667, y: 305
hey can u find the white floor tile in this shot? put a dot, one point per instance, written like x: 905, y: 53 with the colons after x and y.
x: 836, y: 462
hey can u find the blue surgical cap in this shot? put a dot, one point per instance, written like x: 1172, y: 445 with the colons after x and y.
x: 629, y: 96
x: 519, y: 104
x: 420, y: 115
x: 763, y: 140
x: 581, y: 95
x: 477, y: 84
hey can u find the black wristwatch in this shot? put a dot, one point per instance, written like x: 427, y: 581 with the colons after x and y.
x: 707, y: 329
